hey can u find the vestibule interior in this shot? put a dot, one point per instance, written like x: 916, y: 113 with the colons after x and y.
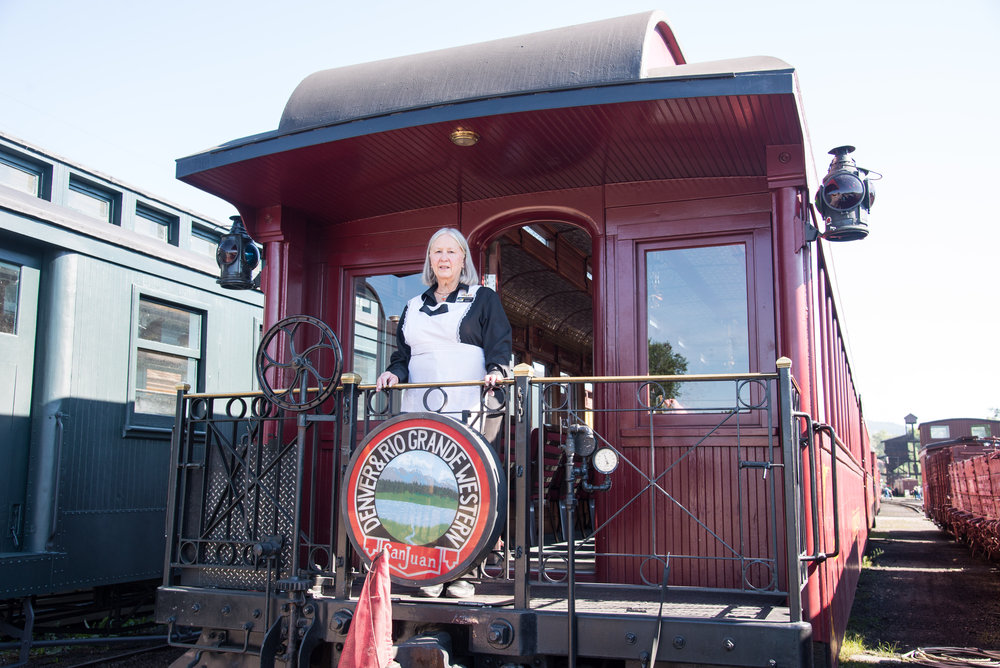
x: 543, y: 274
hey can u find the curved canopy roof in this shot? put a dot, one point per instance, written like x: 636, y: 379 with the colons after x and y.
x: 611, y: 51
x: 599, y: 103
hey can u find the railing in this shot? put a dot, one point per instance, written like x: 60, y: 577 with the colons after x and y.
x: 698, y: 493
x: 237, y: 501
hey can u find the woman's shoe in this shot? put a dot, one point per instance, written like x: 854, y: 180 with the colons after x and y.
x: 460, y: 589
x: 431, y: 591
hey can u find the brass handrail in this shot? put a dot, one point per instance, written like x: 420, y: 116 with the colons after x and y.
x: 538, y: 380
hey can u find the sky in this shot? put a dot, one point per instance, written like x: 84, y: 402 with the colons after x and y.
x: 126, y: 88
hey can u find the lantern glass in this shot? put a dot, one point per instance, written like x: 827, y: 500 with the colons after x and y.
x: 843, y: 191
x: 228, y: 251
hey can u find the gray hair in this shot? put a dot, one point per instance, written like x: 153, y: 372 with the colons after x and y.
x: 469, y: 275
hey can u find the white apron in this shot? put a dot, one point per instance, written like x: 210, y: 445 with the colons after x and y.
x: 437, y: 355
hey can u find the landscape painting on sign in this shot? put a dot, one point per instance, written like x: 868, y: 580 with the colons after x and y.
x: 416, y: 498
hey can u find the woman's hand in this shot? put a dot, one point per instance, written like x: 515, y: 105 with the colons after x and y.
x: 492, y: 379
x: 386, y: 380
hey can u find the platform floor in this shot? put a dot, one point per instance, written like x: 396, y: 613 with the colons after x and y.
x: 619, y: 600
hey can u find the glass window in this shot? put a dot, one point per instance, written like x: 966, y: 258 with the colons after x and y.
x: 168, y: 353
x: 203, y: 241
x: 168, y: 324
x: 940, y: 431
x: 10, y: 281
x: 378, y: 304
x: 155, y: 224
x: 697, y: 320
x: 21, y: 174
x: 980, y: 430
x: 157, y: 378
x: 92, y: 200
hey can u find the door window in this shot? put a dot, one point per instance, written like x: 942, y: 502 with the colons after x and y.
x: 378, y: 304
x: 697, y: 320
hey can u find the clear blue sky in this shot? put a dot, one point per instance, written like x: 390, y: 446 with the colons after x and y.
x: 127, y: 87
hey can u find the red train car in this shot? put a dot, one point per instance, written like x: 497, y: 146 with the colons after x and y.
x: 953, y: 429
x: 961, y: 479
x: 649, y: 227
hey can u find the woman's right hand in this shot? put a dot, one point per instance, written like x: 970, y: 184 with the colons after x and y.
x: 387, y: 379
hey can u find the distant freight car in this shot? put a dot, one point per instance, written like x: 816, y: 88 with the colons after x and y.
x: 961, y: 479
x: 951, y: 429
x: 109, y: 300
x: 649, y: 227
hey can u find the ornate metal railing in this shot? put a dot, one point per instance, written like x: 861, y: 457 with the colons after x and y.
x: 655, y: 495
x: 256, y: 487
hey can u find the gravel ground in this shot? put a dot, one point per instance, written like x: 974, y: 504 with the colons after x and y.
x: 920, y: 589
x: 139, y: 655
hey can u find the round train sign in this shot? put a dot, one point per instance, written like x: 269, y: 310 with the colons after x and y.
x: 429, y: 488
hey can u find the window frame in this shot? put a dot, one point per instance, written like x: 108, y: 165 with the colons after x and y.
x: 940, y: 432
x: 19, y: 268
x: 136, y: 421
x: 171, y: 223
x: 113, y: 198
x: 754, y: 236
x: 42, y: 170
x: 399, y: 270
x: 205, y: 233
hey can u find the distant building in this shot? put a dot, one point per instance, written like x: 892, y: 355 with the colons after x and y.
x: 902, y: 461
x: 902, y: 453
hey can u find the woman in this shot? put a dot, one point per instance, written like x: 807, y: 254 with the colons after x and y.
x: 455, y: 330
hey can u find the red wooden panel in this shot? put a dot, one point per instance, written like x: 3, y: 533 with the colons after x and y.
x: 694, y: 514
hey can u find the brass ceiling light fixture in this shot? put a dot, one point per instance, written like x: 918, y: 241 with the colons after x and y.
x: 463, y: 137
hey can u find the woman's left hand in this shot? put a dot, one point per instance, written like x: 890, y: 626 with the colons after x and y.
x: 492, y: 379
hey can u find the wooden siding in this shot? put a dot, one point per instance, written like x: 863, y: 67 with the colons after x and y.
x: 710, y: 516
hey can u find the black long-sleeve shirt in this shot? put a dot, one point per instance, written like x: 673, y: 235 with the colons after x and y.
x: 483, y: 324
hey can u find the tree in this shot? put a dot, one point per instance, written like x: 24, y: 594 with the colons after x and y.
x: 877, y: 441
x: 663, y: 361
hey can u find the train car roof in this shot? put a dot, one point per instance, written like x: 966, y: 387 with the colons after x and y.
x: 571, y: 107
x: 991, y: 441
x: 591, y: 54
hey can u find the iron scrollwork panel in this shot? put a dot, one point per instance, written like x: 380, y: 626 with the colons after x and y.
x: 238, y: 484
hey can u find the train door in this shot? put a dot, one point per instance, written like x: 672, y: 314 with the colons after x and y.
x: 699, y: 292
x: 543, y: 274
x: 19, y: 276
